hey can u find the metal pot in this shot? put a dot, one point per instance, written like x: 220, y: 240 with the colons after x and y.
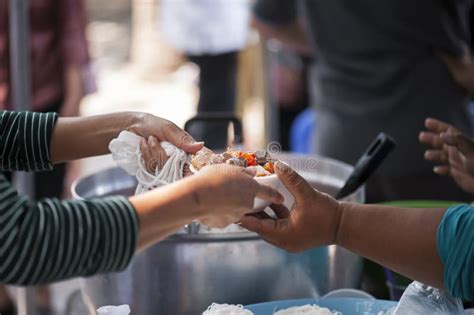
x: 193, y: 268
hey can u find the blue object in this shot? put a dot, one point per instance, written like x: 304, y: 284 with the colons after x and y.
x: 455, y: 240
x: 471, y: 112
x: 302, y: 131
x: 346, y: 306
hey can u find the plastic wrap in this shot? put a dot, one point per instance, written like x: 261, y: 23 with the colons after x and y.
x: 422, y: 299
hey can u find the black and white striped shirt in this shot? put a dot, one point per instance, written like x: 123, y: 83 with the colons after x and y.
x: 51, y: 239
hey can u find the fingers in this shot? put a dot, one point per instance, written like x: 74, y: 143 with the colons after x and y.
x: 269, y: 229
x: 260, y: 215
x: 431, y: 139
x: 442, y: 170
x: 269, y: 194
x: 458, y: 140
x: 295, y: 184
x: 439, y: 156
x: 250, y: 171
x: 280, y: 211
x: 157, y: 152
x: 147, y: 157
x: 153, y: 154
x: 436, y: 125
x: 180, y: 138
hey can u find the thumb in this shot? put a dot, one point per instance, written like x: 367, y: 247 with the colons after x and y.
x: 181, y: 139
x: 295, y: 184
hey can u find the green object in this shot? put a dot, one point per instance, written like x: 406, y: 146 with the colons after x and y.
x: 421, y: 203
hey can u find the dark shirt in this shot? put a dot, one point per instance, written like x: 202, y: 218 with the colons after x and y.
x: 378, y: 71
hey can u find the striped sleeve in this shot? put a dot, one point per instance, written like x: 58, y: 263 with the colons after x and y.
x: 24, y: 140
x: 52, y: 240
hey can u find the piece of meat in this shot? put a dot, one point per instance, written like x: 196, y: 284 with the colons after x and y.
x: 241, y: 162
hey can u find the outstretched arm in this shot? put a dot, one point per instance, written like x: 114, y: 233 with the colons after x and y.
x: 80, y: 137
x: 401, y: 239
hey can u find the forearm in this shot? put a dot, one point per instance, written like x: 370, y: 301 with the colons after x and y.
x: 76, y: 138
x: 177, y: 206
x: 403, y: 240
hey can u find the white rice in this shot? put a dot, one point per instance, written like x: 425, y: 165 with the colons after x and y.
x: 226, y: 309
x: 305, y: 310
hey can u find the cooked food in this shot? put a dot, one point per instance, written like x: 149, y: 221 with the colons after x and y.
x: 306, y: 310
x: 260, y: 160
x: 226, y: 309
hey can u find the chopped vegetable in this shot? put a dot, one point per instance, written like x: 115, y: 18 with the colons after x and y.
x: 250, y: 157
x: 269, y: 167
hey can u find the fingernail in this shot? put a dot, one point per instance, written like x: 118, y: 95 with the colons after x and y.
x: 282, y: 166
x: 251, y: 171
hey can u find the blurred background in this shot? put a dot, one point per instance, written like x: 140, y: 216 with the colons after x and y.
x: 274, y: 69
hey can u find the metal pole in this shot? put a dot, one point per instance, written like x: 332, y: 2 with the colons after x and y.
x: 21, y: 87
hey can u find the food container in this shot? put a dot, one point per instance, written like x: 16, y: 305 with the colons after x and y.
x: 194, y: 267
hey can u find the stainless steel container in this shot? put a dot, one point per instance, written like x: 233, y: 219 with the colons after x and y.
x: 191, y: 269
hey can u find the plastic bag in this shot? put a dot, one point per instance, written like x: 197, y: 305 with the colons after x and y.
x: 419, y: 299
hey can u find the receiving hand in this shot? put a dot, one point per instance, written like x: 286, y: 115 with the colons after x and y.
x: 453, y: 151
x: 313, y: 220
x: 226, y: 193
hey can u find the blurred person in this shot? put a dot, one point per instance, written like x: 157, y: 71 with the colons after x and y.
x: 288, y: 71
x: 382, y: 66
x: 210, y: 33
x: 59, y: 56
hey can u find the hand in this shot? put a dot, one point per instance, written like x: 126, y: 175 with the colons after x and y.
x: 313, y: 220
x: 461, y: 68
x: 153, y: 154
x: 226, y: 193
x: 164, y: 130
x: 453, y: 151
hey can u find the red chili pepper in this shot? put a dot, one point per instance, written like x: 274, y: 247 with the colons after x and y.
x: 251, y: 158
x: 269, y: 167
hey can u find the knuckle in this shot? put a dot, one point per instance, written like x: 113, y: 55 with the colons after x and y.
x: 293, y: 177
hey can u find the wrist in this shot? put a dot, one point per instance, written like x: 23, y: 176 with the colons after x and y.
x: 134, y: 121
x: 197, y: 195
x: 341, y: 213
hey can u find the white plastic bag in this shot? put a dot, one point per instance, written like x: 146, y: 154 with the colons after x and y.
x: 420, y: 299
x: 126, y: 153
